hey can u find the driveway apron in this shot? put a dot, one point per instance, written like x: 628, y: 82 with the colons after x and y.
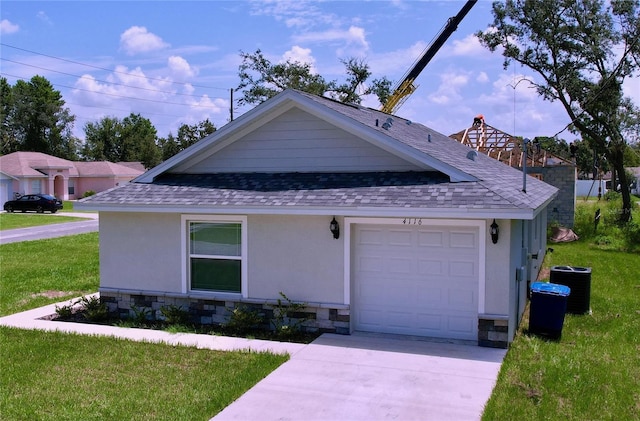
x: 374, y: 377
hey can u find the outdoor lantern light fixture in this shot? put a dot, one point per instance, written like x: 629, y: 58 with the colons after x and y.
x: 334, y: 228
x: 495, y: 230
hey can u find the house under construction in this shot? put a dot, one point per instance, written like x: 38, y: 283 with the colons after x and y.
x: 541, y: 164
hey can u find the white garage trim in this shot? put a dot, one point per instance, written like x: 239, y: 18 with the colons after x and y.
x: 480, y: 224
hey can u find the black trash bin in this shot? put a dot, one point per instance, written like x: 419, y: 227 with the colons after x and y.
x: 578, y: 279
x: 547, y: 309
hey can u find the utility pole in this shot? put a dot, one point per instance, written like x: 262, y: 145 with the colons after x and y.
x: 231, y: 103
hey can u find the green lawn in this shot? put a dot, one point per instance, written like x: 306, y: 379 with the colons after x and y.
x: 36, y: 273
x: 9, y: 221
x: 55, y: 376
x: 593, y: 372
x: 45, y: 376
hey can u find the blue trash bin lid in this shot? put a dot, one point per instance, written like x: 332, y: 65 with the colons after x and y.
x: 549, y: 288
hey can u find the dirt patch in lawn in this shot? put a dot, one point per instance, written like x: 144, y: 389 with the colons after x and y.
x: 53, y: 294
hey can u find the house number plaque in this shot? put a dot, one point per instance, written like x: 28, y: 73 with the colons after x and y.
x: 412, y: 221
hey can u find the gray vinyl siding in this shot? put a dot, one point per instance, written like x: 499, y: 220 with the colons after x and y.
x: 299, y: 142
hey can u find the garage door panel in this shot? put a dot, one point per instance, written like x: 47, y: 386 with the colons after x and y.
x: 463, y: 268
x: 429, y: 323
x: 402, y: 238
x: 430, y: 267
x: 417, y: 280
x: 430, y: 296
x: 370, y: 264
x: 462, y: 326
x: 430, y: 238
x: 370, y: 236
x: 460, y: 299
x: 399, y: 319
x: 462, y: 240
x: 400, y: 266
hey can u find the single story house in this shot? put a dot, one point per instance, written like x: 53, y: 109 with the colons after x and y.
x: 36, y: 172
x: 377, y: 223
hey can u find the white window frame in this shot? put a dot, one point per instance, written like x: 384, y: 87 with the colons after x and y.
x: 186, y: 220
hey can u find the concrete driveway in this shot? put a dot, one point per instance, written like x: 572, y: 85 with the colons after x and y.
x: 374, y: 377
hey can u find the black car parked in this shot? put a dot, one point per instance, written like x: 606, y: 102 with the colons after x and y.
x: 34, y: 202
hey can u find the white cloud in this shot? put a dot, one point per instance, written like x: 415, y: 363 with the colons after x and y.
x: 138, y: 40
x: 450, y: 86
x: 396, y: 62
x: 294, y: 14
x: 482, y: 77
x: 180, y: 68
x: 466, y: 47
x: 300, y: 55
x: 6, y: 27
x: 353, y: 40
x: 43, y: 17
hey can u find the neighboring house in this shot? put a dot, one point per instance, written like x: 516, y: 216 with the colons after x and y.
x: 35, y: 172
x: 540, y: 164
x: 254, y: 209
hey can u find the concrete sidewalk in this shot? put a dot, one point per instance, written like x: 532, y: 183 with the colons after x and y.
x: 337, y: 377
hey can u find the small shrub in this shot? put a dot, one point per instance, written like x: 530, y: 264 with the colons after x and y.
x: 243, y: 319
x: 88, y: 193
x: 631, y: 233
x: 284, y: 325
x: 141, y: 315
x: 94, y: 310
x: 65, y: 311
x: 174, y: 315
x: 612, y: 195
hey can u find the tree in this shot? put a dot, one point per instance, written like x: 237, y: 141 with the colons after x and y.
x: 130, y: 139
x: 583, y: 50
x: 8, y: 139
x: 187, y: 136
x: 34, y: 119
x: 139, y: 141
x: 261, y: 80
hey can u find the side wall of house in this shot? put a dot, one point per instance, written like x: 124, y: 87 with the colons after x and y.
x: 97, y: 184
x: 140, y: 251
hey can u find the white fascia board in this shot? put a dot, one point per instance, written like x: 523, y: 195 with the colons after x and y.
x: 520, y: 214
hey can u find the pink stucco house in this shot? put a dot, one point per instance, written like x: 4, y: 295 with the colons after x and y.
x: 35, y: 172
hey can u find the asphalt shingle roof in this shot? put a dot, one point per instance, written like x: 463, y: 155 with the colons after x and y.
x: 386, y: 190
x: 496, y: 185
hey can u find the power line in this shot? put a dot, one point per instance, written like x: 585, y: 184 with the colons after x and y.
x: 119, y: 96
x: 103, y: 81
x: 109, y: 70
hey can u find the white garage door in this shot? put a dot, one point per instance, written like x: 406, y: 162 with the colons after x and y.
x: 416, y: 280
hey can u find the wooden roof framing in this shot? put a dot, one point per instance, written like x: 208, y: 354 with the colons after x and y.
x: 505, y: 147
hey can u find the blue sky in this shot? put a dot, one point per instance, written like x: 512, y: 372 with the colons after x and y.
x: 175, y: 62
